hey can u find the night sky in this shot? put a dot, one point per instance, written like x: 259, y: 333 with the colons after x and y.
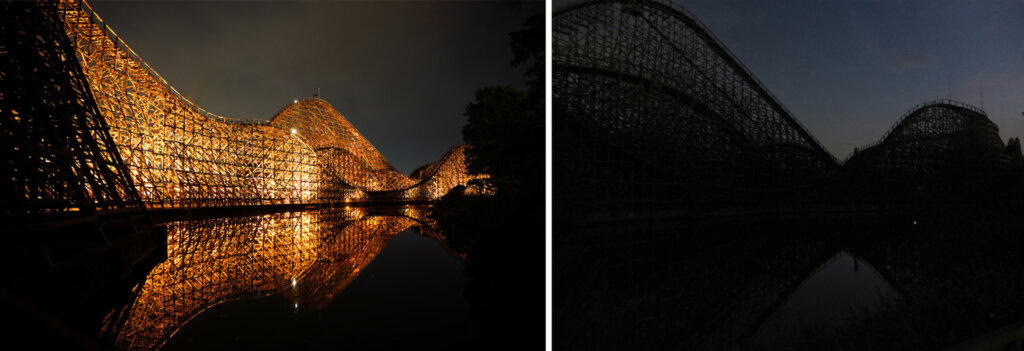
x: 400, y: 72
x: 849, y: 69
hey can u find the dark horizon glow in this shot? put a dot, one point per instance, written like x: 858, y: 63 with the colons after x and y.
x: 400, y: 72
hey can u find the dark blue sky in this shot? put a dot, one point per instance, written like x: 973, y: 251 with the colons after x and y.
x: 849, y: 69
x: 401, y: 72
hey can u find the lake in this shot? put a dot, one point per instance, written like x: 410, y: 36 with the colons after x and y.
x: 363, y: 278
x: 901, y: 281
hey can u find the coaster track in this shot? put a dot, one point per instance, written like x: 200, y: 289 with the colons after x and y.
x: 652, y: 112
x: 929, y: 137
x: 146, y: 145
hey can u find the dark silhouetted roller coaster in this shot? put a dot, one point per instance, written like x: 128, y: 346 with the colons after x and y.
x: 652, y: 112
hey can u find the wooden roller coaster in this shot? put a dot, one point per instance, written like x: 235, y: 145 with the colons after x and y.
x: 89, y: 126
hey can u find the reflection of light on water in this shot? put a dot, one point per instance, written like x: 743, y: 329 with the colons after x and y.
x: 211, y: 261
x: 838, y: 290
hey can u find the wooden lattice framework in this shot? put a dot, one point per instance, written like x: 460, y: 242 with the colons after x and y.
x: 649, y: 107
x: 653, y: 113
x: 309, y: 257
x: 927, y: 139
x: 57, y: 156
x: 349, y: 155
x: 179, y: 155
x: 939, y: 151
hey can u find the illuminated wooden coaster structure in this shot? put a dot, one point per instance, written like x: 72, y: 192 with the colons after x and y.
x: 93, y: 138
x: 179, y: 155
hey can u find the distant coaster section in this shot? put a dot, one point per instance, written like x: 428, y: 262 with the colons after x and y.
x: 939, y: 151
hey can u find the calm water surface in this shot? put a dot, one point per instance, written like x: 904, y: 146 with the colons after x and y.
x: 841, y: 288
x: 886, y: 282
x: 345, y: 278
x: 716, y: 286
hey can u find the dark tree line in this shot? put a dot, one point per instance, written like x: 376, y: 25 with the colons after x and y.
x: 504, y: 232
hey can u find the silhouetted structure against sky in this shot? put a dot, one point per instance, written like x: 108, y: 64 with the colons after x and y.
x: 652, y: 112
x: 691, y: 207
x: 937, y: 150
x: 648, y: 104
x: 847, y: 69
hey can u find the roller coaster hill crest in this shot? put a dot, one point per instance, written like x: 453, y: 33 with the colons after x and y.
x: 654, y: 117
x: 89, y: 128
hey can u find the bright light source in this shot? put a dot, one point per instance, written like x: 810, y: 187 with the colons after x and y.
x: 293, y: 282
x: 295, y: 101
x: 294, y: 131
